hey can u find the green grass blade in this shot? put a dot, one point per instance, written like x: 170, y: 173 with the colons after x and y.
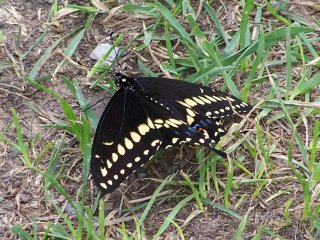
x: 222, y: 208
x: 152, y: 200
x: 43, y: 35
x: 244, y: 29
x: 172, y: 215
x: 85, y: 146
x: 315, y: 137
x: 101, y: 219
x: 306, y: 86
x: 270, y: 39
x: 289, y: 63
x: 255, y: 65
x: 242, y: 226
x: 195, y: 192
x: 74, y: 87
x: 100, y: 62
x: 75, y: 42
x: 174, y: 23
x: 22, y: 147
x: 228, y: 186
x: 54, y: 161
x: 216, y: 22
x: 21, y: 233
x: 275, y: 13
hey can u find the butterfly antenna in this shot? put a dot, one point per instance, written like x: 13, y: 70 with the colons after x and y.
x: 91, y: 106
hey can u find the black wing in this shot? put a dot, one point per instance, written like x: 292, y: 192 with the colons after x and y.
x: 192, y: 98
x: 124, y: 141
x: 201, y: 107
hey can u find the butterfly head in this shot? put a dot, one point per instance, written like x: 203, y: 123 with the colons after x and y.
x: 122, y: 80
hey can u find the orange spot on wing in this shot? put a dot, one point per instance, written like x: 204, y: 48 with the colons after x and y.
x: 200, y: 129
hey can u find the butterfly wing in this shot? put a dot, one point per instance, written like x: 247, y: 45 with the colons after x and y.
x: 190, y: 97
x: 201, y: 107
x: 123, y: 141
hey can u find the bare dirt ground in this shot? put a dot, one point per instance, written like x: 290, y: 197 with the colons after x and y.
x: 21, y: 190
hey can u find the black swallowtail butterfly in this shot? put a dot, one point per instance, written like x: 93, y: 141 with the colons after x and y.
x: 147, y: 114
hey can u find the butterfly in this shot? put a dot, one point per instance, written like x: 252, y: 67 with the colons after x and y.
x: 148, y: 114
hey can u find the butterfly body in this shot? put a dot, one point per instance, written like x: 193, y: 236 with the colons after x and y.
x: 149, y: 114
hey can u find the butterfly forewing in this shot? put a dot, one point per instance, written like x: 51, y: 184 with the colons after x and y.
x: 124, y: 141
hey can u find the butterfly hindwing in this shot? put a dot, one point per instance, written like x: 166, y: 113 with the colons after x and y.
x: 173, y: 129
x: 123, y: 142
x: 200, y: 99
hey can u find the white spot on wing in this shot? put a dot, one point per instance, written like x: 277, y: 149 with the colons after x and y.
x: 231, y: 99
x: 135, y: 136
x: 175, y: 121
x: 114, y: 157
x: 121, y: 150
x: 198, y: 100
x: 210, y: 98
x: 175, y: 140
x: 150, y: 123
x: 190, y: 102
x: 205, y: 100
x: 128, y: 143
x: 143, y: 129
x: 104, y: 171
x: 220, y: 130
x: 103, y: 185
x: 109, y: 164
x: 190, y: 120
x: 159, y: 121
x: 190, y: 112
x: 184, y: 104
x: 154, y: 143
x: 171, y: 124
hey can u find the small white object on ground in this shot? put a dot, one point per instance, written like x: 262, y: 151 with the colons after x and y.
x: 101, y: 49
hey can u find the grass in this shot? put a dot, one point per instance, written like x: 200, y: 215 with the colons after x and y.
x: 279, y: 149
